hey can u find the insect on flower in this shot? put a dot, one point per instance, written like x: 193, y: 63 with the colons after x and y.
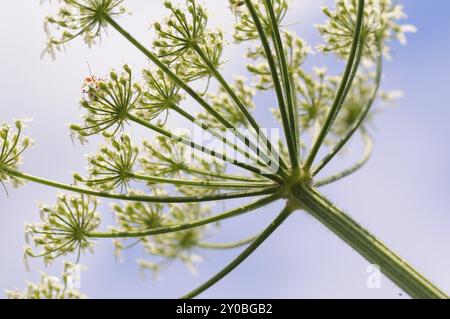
x: 91, y: 84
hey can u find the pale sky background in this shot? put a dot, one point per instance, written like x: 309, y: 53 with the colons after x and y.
x: 400, y: 195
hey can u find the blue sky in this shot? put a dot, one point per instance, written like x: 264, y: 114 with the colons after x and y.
x: 400, y: 195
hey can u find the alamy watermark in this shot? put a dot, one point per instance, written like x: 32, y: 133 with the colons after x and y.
x: 240, y: 146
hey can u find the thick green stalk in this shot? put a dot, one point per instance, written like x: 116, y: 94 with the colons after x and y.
x: 247, y: 252
x: 137, y: 198
x: 175, y: 228
x: 293, y: 156
x: 393, y: 266
x: 160, y: 64
x: 338, y: 100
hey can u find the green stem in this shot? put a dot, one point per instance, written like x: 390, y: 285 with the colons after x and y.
x: 175, y: 228
x: 232, y: 245
x: 244, y: 110
x: 137, y: 198
x: 243, y: 256
x: 338, y: 100
x: 221, y: 175
x: 214, y: 132
x: 359, y: 121
x: 199, y: 183
x: 201, y: 148
x: 374, y: 251
x: 288, y: 93
x: 276, y: 81
x: 160, y: 64
x: 351, y: 169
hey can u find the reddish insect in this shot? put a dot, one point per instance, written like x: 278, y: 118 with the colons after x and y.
x: 91, y: 85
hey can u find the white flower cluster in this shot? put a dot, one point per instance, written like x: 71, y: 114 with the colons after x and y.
x: 160, y: 95
x: 12, y: 145
x: 79, y: 18
x: 296, y: 52
x: 380, y: 27
x: 110, y: 168
x: 50, y: 287
x: 245, y: 28
x: 63, y: 228
x: 225, y: 106
x: 316, y: 91
x: 168, y: 158
x: 183, y: 34
x: 164, y: 248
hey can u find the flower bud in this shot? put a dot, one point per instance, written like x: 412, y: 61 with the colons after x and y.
x: 113, y: 76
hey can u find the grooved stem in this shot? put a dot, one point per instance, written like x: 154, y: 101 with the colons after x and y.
x: 373, y: 250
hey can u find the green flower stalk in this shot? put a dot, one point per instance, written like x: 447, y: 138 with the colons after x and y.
x: 165, y: 189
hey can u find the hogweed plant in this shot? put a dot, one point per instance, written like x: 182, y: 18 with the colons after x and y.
x: 181, y: 177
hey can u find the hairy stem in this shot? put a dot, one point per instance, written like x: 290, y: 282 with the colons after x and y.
x: 243, y: 256
x: 393, y: 266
